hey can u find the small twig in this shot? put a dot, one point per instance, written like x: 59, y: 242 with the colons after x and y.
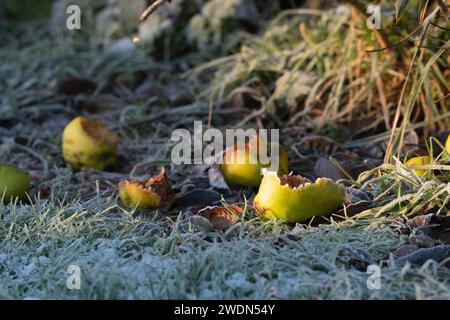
x: 429, y: 47
x: 152, y: 8
x: 447, y: 96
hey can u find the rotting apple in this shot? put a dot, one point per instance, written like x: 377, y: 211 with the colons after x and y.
x: 88, y: 143
x: 418, y: 161
x: 242, y: 167
x: 14, y: 184
x: 294, y: 199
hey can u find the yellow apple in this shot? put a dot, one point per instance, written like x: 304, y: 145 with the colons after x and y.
x: 418, y: 161
x: 88, y: 143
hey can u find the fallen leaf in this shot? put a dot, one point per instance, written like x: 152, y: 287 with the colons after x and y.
x: 354, y: 257
x: 405, y: 250
x: 419, y: 257
x: 418, y: 221
x: 353, y: 195
x: 197, y: 222
x: 422, y: 240
x: 325, y: 168
x: 353, y: 209
x: 410, y: 141
x: 356, y: 201
x: 222, y: 217
x: 197, y: 197
x: 432, y: 226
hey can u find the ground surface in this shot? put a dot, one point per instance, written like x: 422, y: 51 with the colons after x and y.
x: 121, y: 257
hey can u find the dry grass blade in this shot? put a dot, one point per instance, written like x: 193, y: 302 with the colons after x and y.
x: 395, y: 141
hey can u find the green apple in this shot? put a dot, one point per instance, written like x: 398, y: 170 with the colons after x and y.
x: 294, y: 199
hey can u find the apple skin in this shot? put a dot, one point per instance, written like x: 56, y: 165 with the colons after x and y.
x: 418, y: 161
x: 87, y: 143
x: 153, y: 193
x: 241, y: 171
x: 14, y: 184
x: 297, y: 204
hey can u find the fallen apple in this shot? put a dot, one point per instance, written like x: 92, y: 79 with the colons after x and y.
x: 294, y: 199
x: 242, y: 167
x: 14, y: 184
x: 418, y: 161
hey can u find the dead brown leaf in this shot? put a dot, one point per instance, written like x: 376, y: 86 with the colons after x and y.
x: 431, y: 225
x: 161, y: 186
x: 325, y: 168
